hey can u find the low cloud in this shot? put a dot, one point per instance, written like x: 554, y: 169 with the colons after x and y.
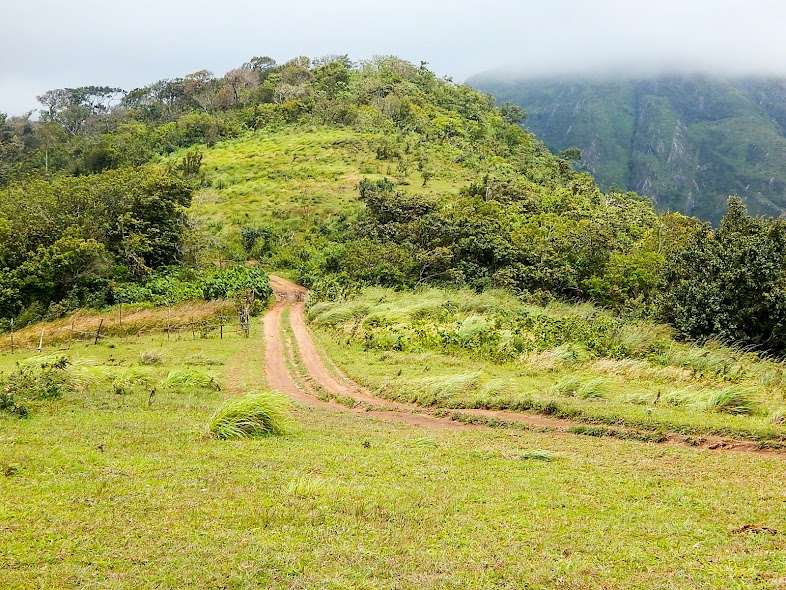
x: 89, y: 42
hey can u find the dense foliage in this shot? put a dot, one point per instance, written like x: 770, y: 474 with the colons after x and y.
x: 94, y: 210
x: 501, y: 234
x: 730, y: 282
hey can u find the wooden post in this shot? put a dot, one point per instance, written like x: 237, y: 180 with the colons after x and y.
x: 41, y: 341
x: 220, y: 327
x: 98, y: 332
x: 12, y: 335
x: 245, y: 312
x: 193, y: 333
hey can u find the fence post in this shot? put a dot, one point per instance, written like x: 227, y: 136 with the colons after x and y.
x: 12, y: 335
x: 245, y: 312
x: 98, y: 332
x: 220, y: 327
x: 41, y: 340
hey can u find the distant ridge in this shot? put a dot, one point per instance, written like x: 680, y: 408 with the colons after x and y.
x: 686, y: 141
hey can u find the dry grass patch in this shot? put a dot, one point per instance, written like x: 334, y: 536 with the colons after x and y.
x: 83, y: 324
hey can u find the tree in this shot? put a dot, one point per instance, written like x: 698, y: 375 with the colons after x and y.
x: 11, y: 149
x: 571, y: 154
x: 237, y: 84
x: 730, y: 283
x: 200, y: 87
x: 512, y: 113
x: 71, y: 108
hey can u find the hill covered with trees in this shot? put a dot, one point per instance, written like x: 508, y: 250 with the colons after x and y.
x: 686, y: 141
x: 346, y: 175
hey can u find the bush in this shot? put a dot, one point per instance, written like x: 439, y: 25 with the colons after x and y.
x: 8, y: 404
x: 255, y: 415
x: 45, y: 381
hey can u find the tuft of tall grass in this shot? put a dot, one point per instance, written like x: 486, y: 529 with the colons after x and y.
x: 189, y: 378
x: 541, y: 362
x: 638, y: 338
x: 770, y: 375
x: 434, y: 390
x: 254, y: 415
x: 581, y: 387
x: 732, y: 400
x: 681, y: 397
x: 470, y: 328
x: 777, y: 416
x: 151, y: 357
x: 629, y: 368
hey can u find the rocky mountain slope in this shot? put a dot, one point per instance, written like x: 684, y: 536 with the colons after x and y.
x: 688, y: 142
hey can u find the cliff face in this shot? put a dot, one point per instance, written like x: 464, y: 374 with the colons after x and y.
x: 688, y: 142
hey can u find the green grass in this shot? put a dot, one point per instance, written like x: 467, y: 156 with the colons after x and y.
x: 296, y: 178
x: 457, y: 349
x: 404, y: 490
x: 179, y: 379
x: 108, y: 491
x: 254, y: 415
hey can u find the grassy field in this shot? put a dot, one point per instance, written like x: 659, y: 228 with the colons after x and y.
x: 293, y: 178
x: 108, y: 489
x: 462, y: 350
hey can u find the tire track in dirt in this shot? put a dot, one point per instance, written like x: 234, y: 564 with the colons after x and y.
x: 316, y: 376
x: 289, y: 295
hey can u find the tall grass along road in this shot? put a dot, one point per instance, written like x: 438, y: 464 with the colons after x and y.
x: 294, y: 366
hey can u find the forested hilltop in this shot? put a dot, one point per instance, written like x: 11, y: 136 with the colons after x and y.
x: 687, y: 141
x: 348, y: 174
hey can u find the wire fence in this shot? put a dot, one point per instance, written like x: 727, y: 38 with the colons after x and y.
x: 62, y: 338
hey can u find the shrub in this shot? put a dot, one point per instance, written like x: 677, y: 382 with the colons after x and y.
x: 255, y: 415
x: 45, y: 381
x: 8, y: 404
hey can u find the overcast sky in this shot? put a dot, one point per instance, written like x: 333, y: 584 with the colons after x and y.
x: 55, y: 43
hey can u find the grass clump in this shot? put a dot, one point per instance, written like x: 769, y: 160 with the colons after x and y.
x: 190, y: 378
x: 151, y: 357
x: 574, y: 386
x: 777, y: 416
x: 255, y: 415
x: 732, y: 400
x: 435, y: 391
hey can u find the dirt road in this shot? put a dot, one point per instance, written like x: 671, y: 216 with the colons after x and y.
x: 316, y: 385
x: 294, y: 366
